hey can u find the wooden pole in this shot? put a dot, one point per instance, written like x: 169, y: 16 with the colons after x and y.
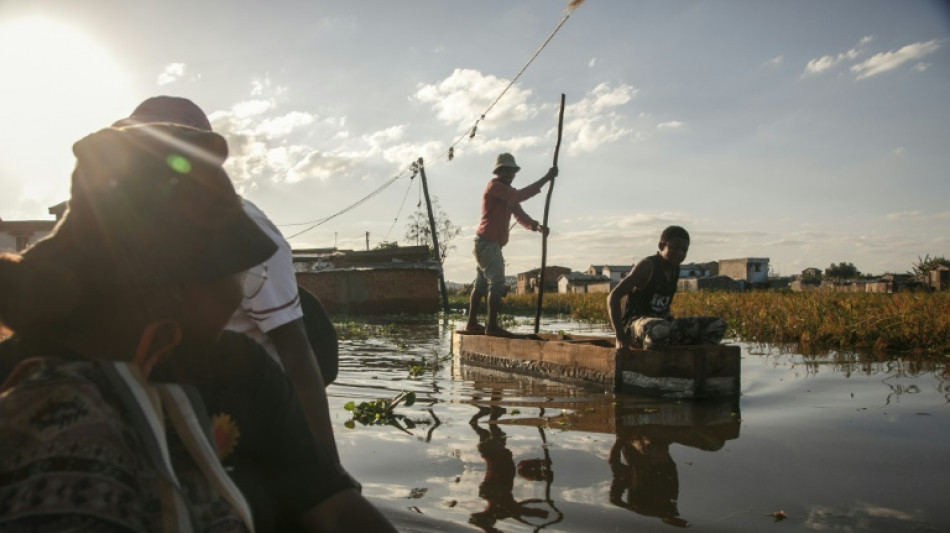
x: 435, y: 239
x: 547, y: 205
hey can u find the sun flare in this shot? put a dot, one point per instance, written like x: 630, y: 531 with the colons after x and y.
x: 58, y: 84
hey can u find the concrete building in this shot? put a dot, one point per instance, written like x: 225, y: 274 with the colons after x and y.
x: 582, y: 282
x: 614, y: 272
x: 754, y: 271
x: 939, y: 278
x: 699, y: 270
x: 528, y: 281
x: 710, y: 283
x: 17, y: 235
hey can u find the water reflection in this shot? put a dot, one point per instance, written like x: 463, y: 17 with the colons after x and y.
x: 493, y: 451
x: 497, y: 487
x: 644, y: 474
x: 645, y: 478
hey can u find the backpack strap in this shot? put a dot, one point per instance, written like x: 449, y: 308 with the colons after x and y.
x: 188, y: 414
x: 145, y: 412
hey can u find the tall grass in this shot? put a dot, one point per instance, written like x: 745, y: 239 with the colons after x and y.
x: 905, y: 322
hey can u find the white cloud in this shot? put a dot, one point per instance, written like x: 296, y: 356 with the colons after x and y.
x: 886, y: 61
x: 252, y: 108
x: 319, y: 165
x: 172, y: 73
x: 775, y: 61
x: 388, y: 135
x: 821, y: 64
x: 904, y: 215
x: 592, y: 62
x: 405, y: 153
x: 603, y: 97
x: 462, y: 97
x: 922, y: 66
x: 595, y: 120
x: 485, y: 145
x: 670, y: 125
x: 284, y: 125
x: 826, y: 62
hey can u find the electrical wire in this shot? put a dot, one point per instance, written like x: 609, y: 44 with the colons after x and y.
x: 399, y: 212
x: 450, y: 151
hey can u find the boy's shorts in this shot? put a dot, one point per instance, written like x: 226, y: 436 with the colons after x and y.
x: 652, y: 333
x: 490, y: 274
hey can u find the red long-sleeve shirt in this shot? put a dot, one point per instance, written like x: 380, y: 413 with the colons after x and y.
x: 499, y: 202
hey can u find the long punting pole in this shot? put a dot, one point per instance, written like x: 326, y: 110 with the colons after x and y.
x: 547, y: 205
x: 435, y: 238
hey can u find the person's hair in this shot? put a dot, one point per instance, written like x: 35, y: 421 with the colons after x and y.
x: 674, y: 232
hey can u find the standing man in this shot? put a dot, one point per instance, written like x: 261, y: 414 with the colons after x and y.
x: 499, y: 202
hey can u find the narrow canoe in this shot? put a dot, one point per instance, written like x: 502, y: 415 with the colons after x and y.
x: 691, y: 372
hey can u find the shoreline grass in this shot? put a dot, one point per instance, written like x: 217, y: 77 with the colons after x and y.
x: 915, y: 323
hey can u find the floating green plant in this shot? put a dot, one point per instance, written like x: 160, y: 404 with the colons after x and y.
x: 379, y: 412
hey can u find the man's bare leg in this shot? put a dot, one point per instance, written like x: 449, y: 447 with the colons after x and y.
x: 474, y: 304
x: 494, y: 309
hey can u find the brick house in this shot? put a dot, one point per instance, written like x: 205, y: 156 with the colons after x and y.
x: 389, y: 281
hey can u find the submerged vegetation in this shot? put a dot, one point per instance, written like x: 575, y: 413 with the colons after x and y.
x: 905, y: 322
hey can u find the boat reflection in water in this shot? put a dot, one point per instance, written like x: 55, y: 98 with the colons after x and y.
x: 644, y: 480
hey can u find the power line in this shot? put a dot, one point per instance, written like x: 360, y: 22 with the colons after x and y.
x: 405, y: 196
x: 450, y: 151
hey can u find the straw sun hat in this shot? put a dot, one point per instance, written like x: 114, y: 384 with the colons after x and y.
x: 505, y: 160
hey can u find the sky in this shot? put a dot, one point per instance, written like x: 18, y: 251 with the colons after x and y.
x: 808, y: 132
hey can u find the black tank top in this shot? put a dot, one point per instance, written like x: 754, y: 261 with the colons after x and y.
x: 654, y: 299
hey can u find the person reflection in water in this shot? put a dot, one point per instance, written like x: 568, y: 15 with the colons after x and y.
x: 499, y: 480
x: 645, y: 473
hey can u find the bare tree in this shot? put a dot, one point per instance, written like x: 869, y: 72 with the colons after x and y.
x: 419, y: 232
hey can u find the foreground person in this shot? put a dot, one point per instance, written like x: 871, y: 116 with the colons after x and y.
x: 499, y: 202
x: 137, y: 282
x: 274, y: 316
x: 649, y: 289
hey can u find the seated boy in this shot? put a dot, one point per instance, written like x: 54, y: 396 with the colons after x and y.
x: 649, y: 288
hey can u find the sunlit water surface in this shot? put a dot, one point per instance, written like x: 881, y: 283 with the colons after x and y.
x: 828, y: 443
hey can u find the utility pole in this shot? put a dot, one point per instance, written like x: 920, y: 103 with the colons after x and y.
x: 367, y: 241
x: 435, y: 238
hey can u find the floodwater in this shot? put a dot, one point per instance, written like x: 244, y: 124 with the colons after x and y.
x: 828, y: 443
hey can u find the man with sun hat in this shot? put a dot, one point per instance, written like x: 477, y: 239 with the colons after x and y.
x: 500, y: 202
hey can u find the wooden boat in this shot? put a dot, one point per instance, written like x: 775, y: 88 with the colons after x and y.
x: 703, y: 371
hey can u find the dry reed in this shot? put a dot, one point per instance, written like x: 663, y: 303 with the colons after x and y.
x: 907, y: 322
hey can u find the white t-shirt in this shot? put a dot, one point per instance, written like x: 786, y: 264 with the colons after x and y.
x: 277, y: 303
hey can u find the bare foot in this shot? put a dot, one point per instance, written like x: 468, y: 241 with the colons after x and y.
x: 474, y: 328
x: 498, y: 332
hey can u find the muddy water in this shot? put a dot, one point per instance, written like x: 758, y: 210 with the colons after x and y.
x: 831, y: 444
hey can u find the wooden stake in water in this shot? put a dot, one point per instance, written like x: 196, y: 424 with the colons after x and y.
x: 547, y: 205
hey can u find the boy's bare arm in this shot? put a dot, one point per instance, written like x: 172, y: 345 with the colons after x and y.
x: 635, y: 280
